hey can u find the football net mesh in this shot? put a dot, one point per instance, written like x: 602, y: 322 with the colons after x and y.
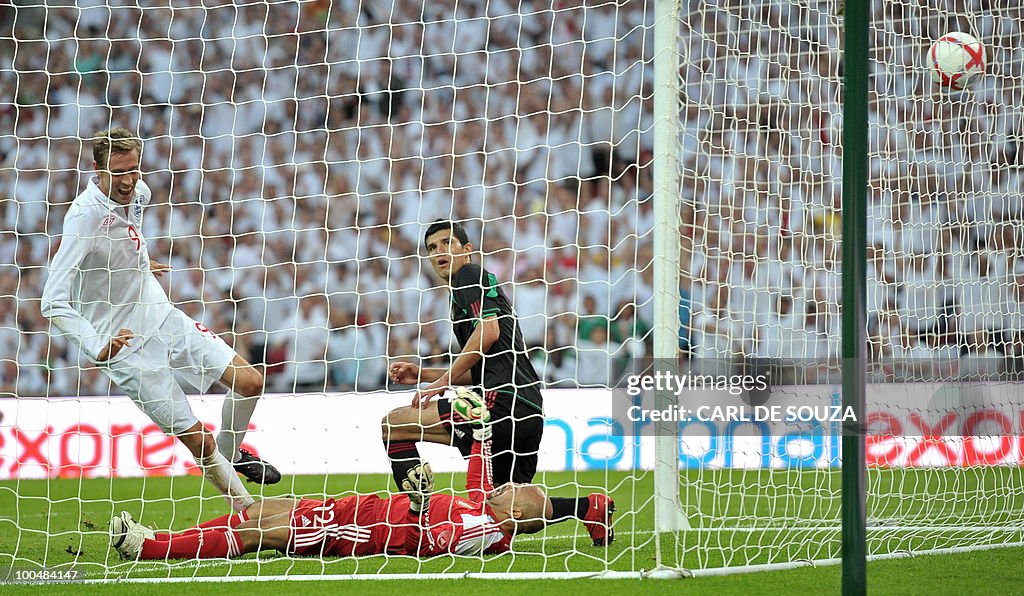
x: 761, y: 164
x: 297, y: 152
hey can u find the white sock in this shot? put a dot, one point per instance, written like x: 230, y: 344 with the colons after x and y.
x: 235, y: 414
x: 219, y: 472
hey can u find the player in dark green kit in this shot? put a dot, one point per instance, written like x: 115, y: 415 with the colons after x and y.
x: 493, y: 361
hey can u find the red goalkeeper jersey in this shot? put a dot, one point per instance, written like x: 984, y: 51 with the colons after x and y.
x: 454, y: 525
x: 362, y: 525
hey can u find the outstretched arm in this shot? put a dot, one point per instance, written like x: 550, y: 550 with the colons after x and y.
x: 407, y: 373
x: 479, y: 342
x: 421, y: 538
x: 75, y: 244
x: 424, y: 538
x: 436, y: 524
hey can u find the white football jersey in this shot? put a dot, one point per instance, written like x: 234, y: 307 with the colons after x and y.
x: 99, y: 281
x: 479, y: 532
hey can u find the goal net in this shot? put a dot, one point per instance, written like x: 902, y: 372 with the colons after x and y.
x: 297, y: 152
x: 760, y: 161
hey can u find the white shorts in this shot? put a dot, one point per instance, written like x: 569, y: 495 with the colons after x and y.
x: 181, y: 351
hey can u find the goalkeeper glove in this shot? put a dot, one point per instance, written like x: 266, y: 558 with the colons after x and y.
x: 419, y: 485
x: 471, y: 407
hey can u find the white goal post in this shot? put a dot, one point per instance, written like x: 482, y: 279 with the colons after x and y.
x: 668, y: 514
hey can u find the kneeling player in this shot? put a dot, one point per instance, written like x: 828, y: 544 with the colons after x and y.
x: 494, y: 360
x: 418, y: 523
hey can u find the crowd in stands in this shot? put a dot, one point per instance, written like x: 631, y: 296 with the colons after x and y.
x: 945, y: 269
x: 298, y: 150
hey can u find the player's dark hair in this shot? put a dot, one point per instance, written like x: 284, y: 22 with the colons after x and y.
x: 444, y: 224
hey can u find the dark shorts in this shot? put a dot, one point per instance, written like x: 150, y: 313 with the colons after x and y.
x: 516, y: 430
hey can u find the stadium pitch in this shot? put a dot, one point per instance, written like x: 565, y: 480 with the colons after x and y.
x: 62, y: 523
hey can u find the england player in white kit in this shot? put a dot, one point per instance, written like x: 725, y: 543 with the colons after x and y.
x: 101, y: 292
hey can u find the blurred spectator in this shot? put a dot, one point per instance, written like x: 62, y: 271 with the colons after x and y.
x: 589, y: 318
x: 305, y: 368
x: 302, y: 149
x: 9, y: 375
x: 529, y: 298
x: 685, y: 314
x: 634, y: 339
x: 628, y: 326
x: 557, y: 367
x: 783, y: 336
x: 341, y: 348
x: 595, y: 359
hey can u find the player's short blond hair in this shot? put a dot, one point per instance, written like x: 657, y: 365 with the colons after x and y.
x: 115, y: 140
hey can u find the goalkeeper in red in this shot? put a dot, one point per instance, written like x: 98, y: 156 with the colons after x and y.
x: 101, y: 291
x: 493, y: 360
x: 419, y: 523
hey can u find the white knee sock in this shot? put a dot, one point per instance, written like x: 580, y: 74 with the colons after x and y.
x: 235, y: 414
x: 219, y: 472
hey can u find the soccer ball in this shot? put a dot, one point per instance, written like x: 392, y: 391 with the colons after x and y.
x: 956, y: 58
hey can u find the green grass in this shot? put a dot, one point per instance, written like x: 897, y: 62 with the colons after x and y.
x: 998, y: 571
x: 741, y: 517
x: 60, y: 522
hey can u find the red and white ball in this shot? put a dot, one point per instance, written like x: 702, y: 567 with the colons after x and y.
x: 955, y: 59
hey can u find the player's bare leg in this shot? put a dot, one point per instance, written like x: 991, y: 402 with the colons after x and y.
x: 402, y: 428
x: 410, y: 423
x: 217, y: 470
x: 271, y: 507
x: 260, y: 509
x: 134, y: 541
x: 266, y: 532
x: 245, y: 386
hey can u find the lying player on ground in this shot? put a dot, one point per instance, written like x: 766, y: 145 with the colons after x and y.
x: 418, y: 523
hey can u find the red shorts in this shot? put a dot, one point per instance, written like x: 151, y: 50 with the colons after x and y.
x: 346, y: 527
